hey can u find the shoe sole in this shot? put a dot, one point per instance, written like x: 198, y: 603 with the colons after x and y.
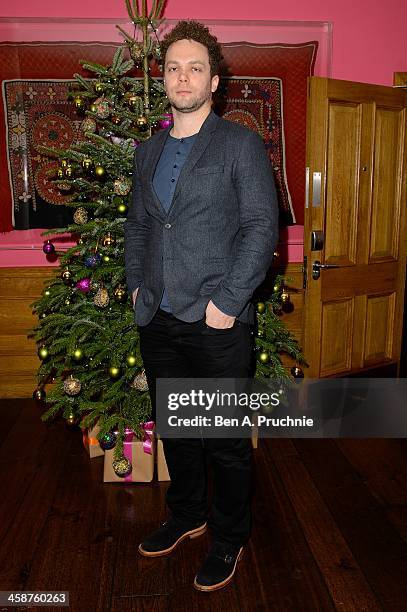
x: 219, y: 585
x: 194, y: 533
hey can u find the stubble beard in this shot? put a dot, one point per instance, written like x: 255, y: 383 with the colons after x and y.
x: 189, y: 106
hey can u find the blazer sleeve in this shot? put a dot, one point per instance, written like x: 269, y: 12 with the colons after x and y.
x: 136, y: 228
x: 258, y: 234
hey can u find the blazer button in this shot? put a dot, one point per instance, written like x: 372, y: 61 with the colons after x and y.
x: 167, y: 225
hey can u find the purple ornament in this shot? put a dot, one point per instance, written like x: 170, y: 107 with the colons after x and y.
x: 48, y: 248
x: 83, y: 285
x: 164, y: 123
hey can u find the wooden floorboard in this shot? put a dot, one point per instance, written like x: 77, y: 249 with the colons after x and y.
x: 329, y: 527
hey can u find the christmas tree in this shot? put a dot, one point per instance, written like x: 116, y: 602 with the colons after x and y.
x: 86, y: 335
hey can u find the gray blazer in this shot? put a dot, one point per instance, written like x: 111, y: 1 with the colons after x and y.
x: 217, y: 240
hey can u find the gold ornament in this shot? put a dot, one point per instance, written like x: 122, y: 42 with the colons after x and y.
x: 120, y: 294
x: 80, y: 215
x: 122, y: 467
x: 285, y: 297
x: 105, y: 258
x: 67, y: 301
x: 114, y: 372
x: 64, y: 163
x: 297, y: 372
x: 261, y: 307
x: 79, y: 102
x: 100, y: 171
x: 99, y: 87
x: 72, y: 386
x: 122, y: 186
x: 276, y: 288
x: 69, y: 172
x: 134, y: 101
x: 60, y: 173
x: 142, y: 122
x: 264, y: 357
x: 108, y: 240
x: 276, y: 254
x: 115, y: 119
x: 101, y: 298
x: 43, y: 352
x: 260, y: 333
x: 93, y: 108
x: 131, y: 360
x: 140, y: 382
x: 66, y: 276
x: 47, y: 292
x: 87, y: 163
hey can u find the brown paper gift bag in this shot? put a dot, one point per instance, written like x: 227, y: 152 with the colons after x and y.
x: 162, y: 469
x: 90, y: 441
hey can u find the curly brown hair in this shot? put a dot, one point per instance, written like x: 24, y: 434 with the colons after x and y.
x: 193, y: 30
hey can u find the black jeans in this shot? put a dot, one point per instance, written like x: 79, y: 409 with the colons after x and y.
x: 172, y: 348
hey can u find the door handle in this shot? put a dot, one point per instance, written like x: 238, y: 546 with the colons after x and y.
x: 317, y: 266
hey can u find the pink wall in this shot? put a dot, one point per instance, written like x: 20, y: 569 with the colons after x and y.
x: 369, y: 40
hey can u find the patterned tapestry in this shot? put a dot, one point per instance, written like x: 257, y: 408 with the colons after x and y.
x: 39, y: 114
x: 268, y: 94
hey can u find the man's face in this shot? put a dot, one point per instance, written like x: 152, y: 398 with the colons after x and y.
x: 188, y: 81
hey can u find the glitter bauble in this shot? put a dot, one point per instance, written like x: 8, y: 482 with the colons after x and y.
x: 140, y: 382
x: 80, y: 215
x: 102, y: 108
x: 72, y: 386
x: 48, y: 248
x: 122, y: 186
x: 122, y: 467
x: 92, y: 261
x: 88, y: 125
x: 101, y: 298
x: 83, y: 285
x: 108, y: 441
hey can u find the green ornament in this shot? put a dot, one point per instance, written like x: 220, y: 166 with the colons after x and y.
x: 43, y: 352
x: 114, y: 372
x: 261, y: 307
x: 78, y: 354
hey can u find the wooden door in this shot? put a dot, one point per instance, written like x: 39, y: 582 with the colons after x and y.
x: 356, y: 206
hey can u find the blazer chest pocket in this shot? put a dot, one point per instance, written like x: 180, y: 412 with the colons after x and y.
x: 214, y: 169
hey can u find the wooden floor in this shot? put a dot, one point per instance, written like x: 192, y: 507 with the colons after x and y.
x: 329, y: 530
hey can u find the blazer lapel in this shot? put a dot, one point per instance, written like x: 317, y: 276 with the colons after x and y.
x: 152, y: 162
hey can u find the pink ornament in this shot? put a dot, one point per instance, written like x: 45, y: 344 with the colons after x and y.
x: 164, y: 123
x: 83, y: 285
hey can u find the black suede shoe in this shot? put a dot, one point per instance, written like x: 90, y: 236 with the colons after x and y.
x: 219, y: 567
x: 167, y: 537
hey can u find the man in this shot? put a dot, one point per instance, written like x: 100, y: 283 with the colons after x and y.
x: 199, y: 238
